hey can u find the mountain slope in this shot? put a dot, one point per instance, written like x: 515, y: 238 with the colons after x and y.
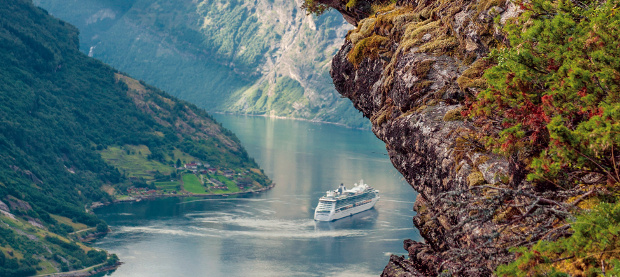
x: 258, y: 57
x: 60, y: 111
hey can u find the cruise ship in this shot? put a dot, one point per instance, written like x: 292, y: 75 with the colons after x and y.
x: 342, y: 202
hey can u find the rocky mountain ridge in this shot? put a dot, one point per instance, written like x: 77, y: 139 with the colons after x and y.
x: 253, y: 57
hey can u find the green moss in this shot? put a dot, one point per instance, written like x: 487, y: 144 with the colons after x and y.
x: 422, y: 85
x: 439, y: 46
x: 506, y: 214
x: 473, y: 76
x: 422, y: 68
x: 440, y: 92
x: 484, y: 5
x: 481, y: 160
x: 382, y: 118
x: 369, y: 47
x: 363, y: 30
x: 453, y: 115
x: 415, y: 31
x: 475, y: 179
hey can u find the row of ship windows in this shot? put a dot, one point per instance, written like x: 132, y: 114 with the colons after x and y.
x: 350, y: 201
x: 354, y: 205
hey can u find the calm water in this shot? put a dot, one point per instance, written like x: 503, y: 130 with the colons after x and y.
x: 272, y: 234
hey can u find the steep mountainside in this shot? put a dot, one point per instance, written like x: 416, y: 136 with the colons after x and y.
x: 259, y: 57
x: 60, y: 112
x: 503, y: 159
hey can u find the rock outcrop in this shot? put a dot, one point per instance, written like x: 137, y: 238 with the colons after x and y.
x: 409, y: 67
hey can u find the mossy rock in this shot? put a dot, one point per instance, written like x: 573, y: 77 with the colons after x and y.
x: 454, y: 115
x: 507, y: 214
x: 369, y: 47
x: 475, y: 179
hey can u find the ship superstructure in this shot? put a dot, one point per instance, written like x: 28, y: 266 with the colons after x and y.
x: 341, y: 202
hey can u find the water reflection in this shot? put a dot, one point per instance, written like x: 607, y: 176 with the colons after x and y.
x: 364, y: 220
x: 273, y: 233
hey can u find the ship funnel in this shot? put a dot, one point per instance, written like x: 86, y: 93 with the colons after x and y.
x: 341, y: 188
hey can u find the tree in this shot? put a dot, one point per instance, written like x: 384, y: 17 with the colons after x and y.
x: 554, y: 92
x: 553, y: 104
x: 102, y: 227
x: 592, y: 250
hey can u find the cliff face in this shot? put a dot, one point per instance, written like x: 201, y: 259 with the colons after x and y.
x: 409, y: 68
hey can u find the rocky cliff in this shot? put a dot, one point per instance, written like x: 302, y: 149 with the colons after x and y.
x: 410, y: 67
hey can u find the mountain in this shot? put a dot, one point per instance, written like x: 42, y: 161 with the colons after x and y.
x: 75, y: 131
x: 262, y: 57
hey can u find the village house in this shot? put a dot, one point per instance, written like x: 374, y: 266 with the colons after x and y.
x: 228, y: 173
x: 218, y: 184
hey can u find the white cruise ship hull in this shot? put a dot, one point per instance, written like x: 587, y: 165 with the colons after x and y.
x: 334, y: 215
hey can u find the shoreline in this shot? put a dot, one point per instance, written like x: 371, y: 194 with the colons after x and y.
x: 292, y: 118
x: 85, y: 272
x: 139, y: 198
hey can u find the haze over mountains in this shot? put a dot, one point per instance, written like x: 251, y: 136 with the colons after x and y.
x: 261, y: 57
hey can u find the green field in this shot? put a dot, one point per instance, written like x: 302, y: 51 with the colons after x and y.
x: 132, y: 160
x: 192, y: 184
x: 76, y: 226
x: 232, y: 186
x: 170, y: 186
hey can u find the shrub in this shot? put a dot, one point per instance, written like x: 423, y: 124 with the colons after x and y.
x: 554, y: 92
x: 591, y: 248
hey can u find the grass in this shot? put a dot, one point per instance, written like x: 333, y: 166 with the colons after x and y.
x: 170, y: 186
x: 167, y: 184
x: 192, y: 184
x: 68, y: 221
x: 256, y: 170
x: 121, y: 197
x: 232, y: 186
x: 47, y: 268
x: 185, y: 158
x: 6, y: 249
x: 132, y: 160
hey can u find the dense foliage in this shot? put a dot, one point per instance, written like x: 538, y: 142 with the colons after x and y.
x: 314, y: 7
x: 553, y: 104
x: 554, y: 93
x: 58, y: 110
x: 592, y: 250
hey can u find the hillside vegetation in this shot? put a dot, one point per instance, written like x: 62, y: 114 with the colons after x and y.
x: 224, y: 55
x: 553, y: 99
x: 60, y: 112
